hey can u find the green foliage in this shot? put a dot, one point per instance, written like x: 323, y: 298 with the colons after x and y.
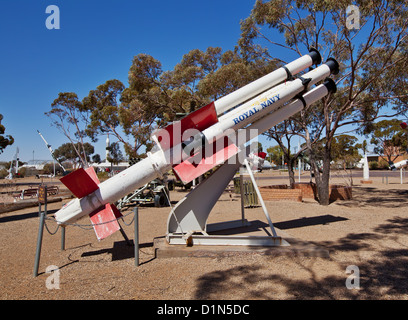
x: 275, y: 154
x: 388, y: 138
x: 68, y: 152
x: 345, y: 150
x: 96, y: 158
x: 373, y: 64
x: 102, y: 104
x: 102, y: 175
x: 383, y: 164
x: 115, y: 155
x: 5, y: 140
x: 68, y: 114
x: 3, y: 173
x: 373, y: 165
x: 49, y: 169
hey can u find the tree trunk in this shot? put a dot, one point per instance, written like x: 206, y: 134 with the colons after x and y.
x: 323, y: 180
x: 321, y: 177
x: 291, y: 173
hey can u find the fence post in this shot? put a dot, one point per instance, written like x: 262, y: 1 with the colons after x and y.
x: 39, y: 243
x: 62, y: 237
x: 136, y: 210
x: 241, y: 187
x: 42, y: 199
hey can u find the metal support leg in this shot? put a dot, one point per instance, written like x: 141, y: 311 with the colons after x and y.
x: 128, y: 242
x: 136, y: 222
x: 62, y: 238
x: 39, y: 243
x: 241, y: 184
x: 260, y: 197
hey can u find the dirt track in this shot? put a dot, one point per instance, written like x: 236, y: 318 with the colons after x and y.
x: 369, y: 232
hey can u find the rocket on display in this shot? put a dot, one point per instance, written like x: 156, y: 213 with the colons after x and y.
x: 205, y: 138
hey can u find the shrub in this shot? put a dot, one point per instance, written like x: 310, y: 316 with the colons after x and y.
x: 373, y: 165
x: 383, y: 164
x: 3, y: 173
x: 103, y: 175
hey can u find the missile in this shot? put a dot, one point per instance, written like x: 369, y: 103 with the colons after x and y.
x: 398, y: 165
x: 266, y: 102
x: 213, y: 131
x: 208, y: 115
x: 268, y: 81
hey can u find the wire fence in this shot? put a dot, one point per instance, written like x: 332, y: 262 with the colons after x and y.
x: 87, y: 226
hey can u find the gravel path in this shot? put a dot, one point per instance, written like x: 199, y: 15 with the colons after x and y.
x: 368, y: 232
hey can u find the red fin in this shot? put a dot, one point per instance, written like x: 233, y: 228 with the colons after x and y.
x: 200, y: 119
x: 81, y: 182
x: 197, y: 165
x: 100, y: 218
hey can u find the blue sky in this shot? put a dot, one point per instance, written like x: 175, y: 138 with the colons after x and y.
x: 96, y: 42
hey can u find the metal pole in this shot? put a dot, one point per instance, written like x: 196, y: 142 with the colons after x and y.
x: 45, y: 199
x: 39, y: 243
x: 128, y: 242
x: 241, y: 185
x: 62, y: 237
x: 401, y: 174
x: 260, y: 198
x: 136, y: 210
x: 299, y: 164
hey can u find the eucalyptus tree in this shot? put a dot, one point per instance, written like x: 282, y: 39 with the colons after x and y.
x: 368, y: 39
x: 5, y: 140
x: 70, y: 117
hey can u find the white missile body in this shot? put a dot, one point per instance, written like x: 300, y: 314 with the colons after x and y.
x: 398, y: 165
x: 265, y: 113
x: 268, y: 81
x: 263, y: 104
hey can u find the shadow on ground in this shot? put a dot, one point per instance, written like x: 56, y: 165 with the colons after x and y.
x: 382, y: 273
x: 372, y: 197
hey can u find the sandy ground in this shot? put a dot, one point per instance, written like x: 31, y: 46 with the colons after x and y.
x: 369, y: 232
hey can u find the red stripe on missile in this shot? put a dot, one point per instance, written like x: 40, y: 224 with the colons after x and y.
x: 200, y: 120
x: 198, y: 164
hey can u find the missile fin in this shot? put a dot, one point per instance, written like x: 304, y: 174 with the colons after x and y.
x: 261, y: 154
x: 104, y: 221
x: 81, y: 182
x: 200, y: 120
x: 199, y: 164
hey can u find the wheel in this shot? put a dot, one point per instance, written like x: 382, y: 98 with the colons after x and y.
x: 160, y: 200
x: 170, y: 185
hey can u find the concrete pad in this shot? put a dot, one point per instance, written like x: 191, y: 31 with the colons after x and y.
x: 296, y: 247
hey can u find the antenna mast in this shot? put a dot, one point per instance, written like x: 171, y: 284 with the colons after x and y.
x: 51, y: 151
